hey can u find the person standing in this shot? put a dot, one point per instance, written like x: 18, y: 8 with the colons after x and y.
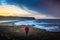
x: 26, y: 30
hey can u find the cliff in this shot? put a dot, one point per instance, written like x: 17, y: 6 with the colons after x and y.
x: 15, y: 18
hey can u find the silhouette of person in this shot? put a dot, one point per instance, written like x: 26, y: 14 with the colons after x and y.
x: 26, y: 30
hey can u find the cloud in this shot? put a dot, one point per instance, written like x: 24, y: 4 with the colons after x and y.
x: 45, y: 7
x: 12, y: 10
x: 36, y: 14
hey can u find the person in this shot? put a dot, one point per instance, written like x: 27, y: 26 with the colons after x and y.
x: 26, y: 30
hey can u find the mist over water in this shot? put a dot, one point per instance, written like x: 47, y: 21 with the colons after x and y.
x: 51, y: 27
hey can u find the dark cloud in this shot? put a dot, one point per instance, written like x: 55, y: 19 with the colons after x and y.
x: 53, y: 8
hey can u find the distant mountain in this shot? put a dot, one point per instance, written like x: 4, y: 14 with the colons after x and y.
x: 16, y: 18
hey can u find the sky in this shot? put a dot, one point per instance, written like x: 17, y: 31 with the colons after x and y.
x: 30, y: 8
